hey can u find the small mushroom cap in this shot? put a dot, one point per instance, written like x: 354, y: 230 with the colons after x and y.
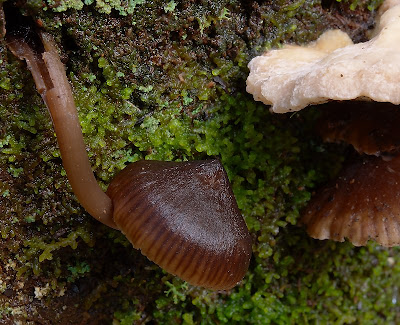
x: 362, y: 204
x: 332, y: 68
x: 371, y: 128
x: 184, y: 217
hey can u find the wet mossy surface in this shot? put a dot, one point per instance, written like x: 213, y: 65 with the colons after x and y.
x: 166, y: 80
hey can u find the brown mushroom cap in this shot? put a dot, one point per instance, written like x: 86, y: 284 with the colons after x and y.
x: 371, y: 128
x: 183, y: 216
x: 362, y: 204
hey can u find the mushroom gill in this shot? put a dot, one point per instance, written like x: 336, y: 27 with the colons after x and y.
x: 181, y: 215
x: 363, y: 202
x: 371, y: 128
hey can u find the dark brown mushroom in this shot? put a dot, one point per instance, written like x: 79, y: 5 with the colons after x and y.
x: 362, y: 203
x: 181, y: 215
x: 371, y: 128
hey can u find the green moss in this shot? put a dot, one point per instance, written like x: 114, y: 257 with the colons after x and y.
x: 170, y: 6
x: 166, y: 80
x: 123, y: 7
x: 128, y: 316
x: 371, y: 5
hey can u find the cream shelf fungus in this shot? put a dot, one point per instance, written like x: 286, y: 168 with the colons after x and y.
x: 181, y: 215
x: 362, y: 82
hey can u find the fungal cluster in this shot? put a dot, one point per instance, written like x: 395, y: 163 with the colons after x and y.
x: 363, y: 203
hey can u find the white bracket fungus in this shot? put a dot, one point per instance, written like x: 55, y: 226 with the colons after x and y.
x: 332, y: 68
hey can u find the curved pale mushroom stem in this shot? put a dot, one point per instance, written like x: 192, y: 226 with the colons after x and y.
x: 51, y: 82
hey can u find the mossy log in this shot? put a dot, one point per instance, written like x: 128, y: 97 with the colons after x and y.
x: 166, y: 80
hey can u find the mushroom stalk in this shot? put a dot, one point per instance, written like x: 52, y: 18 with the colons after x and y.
x: 52, y: 84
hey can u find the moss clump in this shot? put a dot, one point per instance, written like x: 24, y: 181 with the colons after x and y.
x: 371, y: 5
x: 165, y: 80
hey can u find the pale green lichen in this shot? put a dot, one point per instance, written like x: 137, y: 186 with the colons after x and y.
x: 124, y: 7
x: 170, y: 6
